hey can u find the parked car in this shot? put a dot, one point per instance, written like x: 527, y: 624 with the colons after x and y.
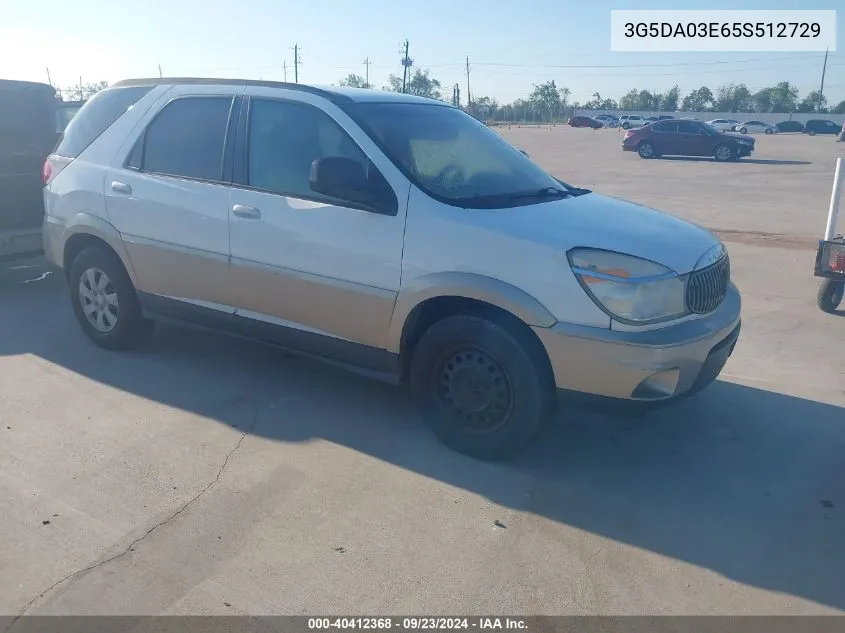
x: 754, y: 127
x: 821, y: 126
x: 724, y: 125
x: 359, y: 227
x: 790, y: 126
x: 585, y: 121
x: 27, y: 134
x: 627, y: 121
x: 608, y: 120
x: 687, y: 138
x: 651, y: 119
x: 65, y: 111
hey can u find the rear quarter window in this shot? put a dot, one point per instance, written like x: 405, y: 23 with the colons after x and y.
x: 96, y: 116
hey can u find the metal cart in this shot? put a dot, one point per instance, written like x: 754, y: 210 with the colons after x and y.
x: 830, y: 257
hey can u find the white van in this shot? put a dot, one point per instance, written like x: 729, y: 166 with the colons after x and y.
x: 394, y: 235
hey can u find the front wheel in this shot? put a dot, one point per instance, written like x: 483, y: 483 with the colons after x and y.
x: 770, y: 131
x: 479, y: 386
x: 743, y: 130
x: 831, y: 292
x: 626, y: 125
x: 723, y: 153
x: 811, y: 132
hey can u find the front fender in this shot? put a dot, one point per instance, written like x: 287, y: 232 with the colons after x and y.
x: 471, y: 286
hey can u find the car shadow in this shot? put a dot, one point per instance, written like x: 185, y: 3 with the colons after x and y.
x: 742, y: 481
x: 748, y: 161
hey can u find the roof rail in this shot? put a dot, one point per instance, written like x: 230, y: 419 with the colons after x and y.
x: 155, y: 81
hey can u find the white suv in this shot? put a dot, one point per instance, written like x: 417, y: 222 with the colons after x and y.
x: 394, y: 235
x: 627, y: 121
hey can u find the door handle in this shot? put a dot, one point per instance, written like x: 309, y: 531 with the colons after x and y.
x: 121, y: 187
x: 244, y: 211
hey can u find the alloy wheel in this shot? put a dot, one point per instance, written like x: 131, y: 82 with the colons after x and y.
x: 98, y: 298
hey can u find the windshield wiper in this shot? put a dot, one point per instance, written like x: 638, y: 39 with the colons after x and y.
x: 545, y: 192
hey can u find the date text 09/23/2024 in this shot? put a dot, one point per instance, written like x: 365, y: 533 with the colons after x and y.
x: 417, y: 623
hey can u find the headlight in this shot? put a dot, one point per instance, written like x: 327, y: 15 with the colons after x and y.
x: 742, y: 142
x: 630, y: 289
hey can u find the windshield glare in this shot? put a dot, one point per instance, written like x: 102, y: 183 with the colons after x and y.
x: 710, y: 128
x: 450, y: 155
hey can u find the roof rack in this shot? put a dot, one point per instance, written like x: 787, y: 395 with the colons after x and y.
x: 155, y: 81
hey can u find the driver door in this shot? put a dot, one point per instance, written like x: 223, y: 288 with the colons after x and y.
x: 299, y: 259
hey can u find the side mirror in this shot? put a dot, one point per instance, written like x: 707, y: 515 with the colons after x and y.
x: 524, y: 152
x: 345, y: 178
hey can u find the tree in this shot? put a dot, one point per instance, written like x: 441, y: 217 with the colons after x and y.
x: 597, y: 103
x: 355, y: 81
x: 629, y: 100
x: 639, y: 100
x: 698, y: 100
x: 84, y: 91
x: 564, y: 95
x: 839, y: 108
x: 545, y: 97
x: 669, y: 100
x: 733, y: 98
x: 813, y: 102
x: 420, y: 84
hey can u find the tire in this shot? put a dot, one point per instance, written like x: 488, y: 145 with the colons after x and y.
x: 831, y: 292
x: 723, y: 153
x: 743, y: 130
x: 646, y: 150
x: 769, y: 131
x: 626, y: 125
x: 480, y: 386
x: 811, y: 132
x: 100, y: 287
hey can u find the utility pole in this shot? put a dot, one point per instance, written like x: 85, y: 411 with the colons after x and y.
x: 367, y: 73
x: 296, y: 62
x: 49, y: 80
x: 159, y: 71
x: 406, y: 65
x: 80, y: 88
x: 821, y: 89
x: 285, y: 70
x: 469, y: 94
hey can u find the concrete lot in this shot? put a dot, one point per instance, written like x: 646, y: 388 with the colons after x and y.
x: 205, y: 475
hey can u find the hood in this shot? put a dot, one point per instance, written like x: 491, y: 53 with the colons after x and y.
x: 597, y: 221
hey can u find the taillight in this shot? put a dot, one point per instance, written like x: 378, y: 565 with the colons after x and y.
x: 629, y: 133
x: 53, y: 167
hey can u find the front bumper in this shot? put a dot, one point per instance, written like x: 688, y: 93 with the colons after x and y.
x: 650, y: 365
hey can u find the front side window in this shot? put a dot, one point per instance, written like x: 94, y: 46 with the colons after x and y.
x: 186, y: 139
x: 451, y: 156
x: 284, y: 140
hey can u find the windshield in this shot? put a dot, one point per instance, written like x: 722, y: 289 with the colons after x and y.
x: 710, y: 128
x: 451, y: 156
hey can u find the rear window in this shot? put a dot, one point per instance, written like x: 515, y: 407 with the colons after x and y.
x: 96, y: 116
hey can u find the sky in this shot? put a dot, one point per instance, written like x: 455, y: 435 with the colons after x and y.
x: 510, y: 45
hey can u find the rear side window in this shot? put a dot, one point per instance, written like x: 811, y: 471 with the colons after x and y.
x: 688, y: 127
x: 96, y: 116
x: 186, y: 139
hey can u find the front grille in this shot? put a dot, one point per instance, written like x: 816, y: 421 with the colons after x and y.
x: 706, y: 288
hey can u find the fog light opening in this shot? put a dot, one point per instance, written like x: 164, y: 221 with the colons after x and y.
x: 658, y: 386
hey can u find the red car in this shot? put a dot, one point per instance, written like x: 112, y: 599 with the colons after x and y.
x: 585, y: 121
x: 687, y: 138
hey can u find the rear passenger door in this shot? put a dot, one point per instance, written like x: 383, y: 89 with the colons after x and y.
x: 167, y: 193
x: 665, y: 137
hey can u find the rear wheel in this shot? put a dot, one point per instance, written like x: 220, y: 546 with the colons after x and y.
x: 626, y: 125
x: 831, y: 292
x: 104, y: 300
x: 811, y: 132
x: 769, y: 131
x: 646, y: 150
x: 723, y: 153
x: 743, y: 130
x: 479, y: 386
